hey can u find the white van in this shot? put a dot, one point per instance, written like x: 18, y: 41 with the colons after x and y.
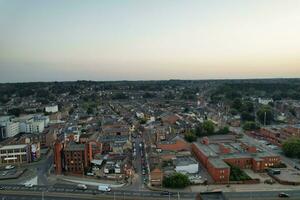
x: 104, y: 188
x: 81, y: 187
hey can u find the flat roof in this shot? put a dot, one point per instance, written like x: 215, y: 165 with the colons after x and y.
x: 218, y: 163
x: 185, y: 160
x: 205, y: 149
x: 17, y: 146
x: 74, y: 147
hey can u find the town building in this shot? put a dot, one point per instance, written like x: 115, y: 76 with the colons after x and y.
x: 51, y: 109
x: 15, y: 154
x: 74, y: 158
x: 216, y: 158
x: 186, y: 165
x: 8, y: 128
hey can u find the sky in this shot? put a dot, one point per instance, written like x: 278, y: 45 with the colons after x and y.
x: 65, y: 40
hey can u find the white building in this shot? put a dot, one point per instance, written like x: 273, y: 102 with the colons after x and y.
x: 33, y: 123
x: 8, y: 127
x: 34, y: 127
x: 12, y: 129
x: 187, y: 165
x: 51, y: 109
x: 264, y: 101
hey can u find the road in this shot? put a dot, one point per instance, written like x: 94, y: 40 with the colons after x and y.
x: 138, y: 180
x: 43, y: 168
x: 68, y: 191
x: 71, y: 189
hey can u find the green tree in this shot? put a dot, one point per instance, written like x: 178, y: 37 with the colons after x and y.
x: 199, y: 130
x: 247, y: 117
x: 265, y: 115
x: 291, y: 147
x: 208, y: 127
x: 251, y: 126
x: 223, y: 131
x: 15, y: 111
x: 237, y: 104
x: 176, y: 180
x: 190, y: 137
x: 90, y: 110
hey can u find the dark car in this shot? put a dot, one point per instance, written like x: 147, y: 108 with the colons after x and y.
x: 282, y: 194
x: 166, y: 193
x: 296, y: 167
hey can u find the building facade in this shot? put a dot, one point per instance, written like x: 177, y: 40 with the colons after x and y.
x: 15, y: 154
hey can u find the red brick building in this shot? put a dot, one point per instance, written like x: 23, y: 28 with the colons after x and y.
x: 74, y: 158
x: 216, y: 157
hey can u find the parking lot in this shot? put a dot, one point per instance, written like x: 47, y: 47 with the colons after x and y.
x: 11, y: 174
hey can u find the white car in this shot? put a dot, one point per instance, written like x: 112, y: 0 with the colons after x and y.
x: 9, y: 167
x: 81, y: 187
x: 29, y: 185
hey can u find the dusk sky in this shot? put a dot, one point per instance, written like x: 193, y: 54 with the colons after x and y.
x: 60, y: 40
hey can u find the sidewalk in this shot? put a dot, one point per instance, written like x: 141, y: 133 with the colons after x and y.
x: 87, y: 181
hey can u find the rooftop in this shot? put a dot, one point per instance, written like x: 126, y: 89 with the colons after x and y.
x: 17, y: 146
x: 205, y: 149
x: 218, y: 163
x: 74, y: 147
x: 185, y: 160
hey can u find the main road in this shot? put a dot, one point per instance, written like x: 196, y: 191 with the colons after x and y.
x: 68, y: 192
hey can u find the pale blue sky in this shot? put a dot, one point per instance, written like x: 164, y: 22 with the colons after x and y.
x: 116, y: 40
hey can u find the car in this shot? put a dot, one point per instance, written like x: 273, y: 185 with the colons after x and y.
x: 144, y: 172
x: 296, y: 167
x: 81, y: 187
x: 90, y: 174
x: 283, y: 194
x: 9, y: 167
x: 269, y: 181
x: 28, y: 185
x: 165, y: 193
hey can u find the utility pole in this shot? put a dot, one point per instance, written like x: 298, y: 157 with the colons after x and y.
x: 178, y: 196
x: 265, y: 118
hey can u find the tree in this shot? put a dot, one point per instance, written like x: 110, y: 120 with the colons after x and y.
x: 247, y: 117
x: 15, y: 111
x: 291, y: 147
x: 176, y: 180
x: 247, y: 106
x: 90, y: 110
x: 149, y: 95
x: 208, y: 127
x: 223, y: 131
x: 237, y: 104
x: 198, y: 130
x: 190, y: 137
x: 265, y: 115
x: 251, y: 126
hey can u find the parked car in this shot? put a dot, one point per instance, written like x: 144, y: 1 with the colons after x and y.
x: 296, y: 167
x: 28, y: 185
x: 283, y: 194
x: 165, y: 193
x: 9, y: 167
x: 269, y: 181
x: 90, y: 174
